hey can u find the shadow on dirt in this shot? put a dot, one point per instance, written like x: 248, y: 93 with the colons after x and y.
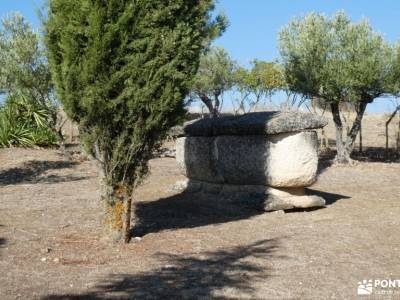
x: 194, y: 276
x: 325, y: 160
x: 377, y: 154
x: 330, y: 198
x: 3, y: 241
x: 188, y: 210
x: 31, y: 172
x: 370, y: 154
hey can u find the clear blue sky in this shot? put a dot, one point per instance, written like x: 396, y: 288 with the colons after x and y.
x: 254, y: 24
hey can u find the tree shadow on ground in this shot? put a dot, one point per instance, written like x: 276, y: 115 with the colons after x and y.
x: 377, y: 154
x: 330, y: 198
x: 196, y: 276
x: 188, y: 210
x: 325, y: 160
x: 3, y: 241
x: 369, y: 154
x: 31, y: 172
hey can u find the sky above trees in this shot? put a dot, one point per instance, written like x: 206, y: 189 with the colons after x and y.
x: 254, y: 24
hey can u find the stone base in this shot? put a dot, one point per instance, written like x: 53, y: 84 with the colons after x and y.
x: 265, y: 197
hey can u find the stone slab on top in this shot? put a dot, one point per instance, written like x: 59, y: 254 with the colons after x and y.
x: 257, y: 123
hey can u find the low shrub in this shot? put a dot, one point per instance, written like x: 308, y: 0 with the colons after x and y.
x: 24, y: 124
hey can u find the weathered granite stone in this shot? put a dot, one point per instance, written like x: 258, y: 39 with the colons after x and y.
x: 195, y: 158
x: 267, y: 158
x: 260, y: 196
x: 176, y: 131
x: 281, y: 160
x: 258, y: 123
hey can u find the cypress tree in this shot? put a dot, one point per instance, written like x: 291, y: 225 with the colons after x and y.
x: 122, y: 69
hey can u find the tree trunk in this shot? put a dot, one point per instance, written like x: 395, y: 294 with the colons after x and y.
x: 56, y: 125
x: 352, y: 135
x: 342, y: 155
x: 61, y: 139
x: 360, y: 146
x: 71, y: 132
x: 398, y: 135
x: 387, y: 130
x: 116, y: 199
x: 209, y: 104
x: 127, y: 221
x: 216, y: 106
x: 118, y: 209
x: 324, y: 140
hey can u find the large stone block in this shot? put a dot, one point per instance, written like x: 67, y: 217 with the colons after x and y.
x: 267, y: 158
x: 280, y: 160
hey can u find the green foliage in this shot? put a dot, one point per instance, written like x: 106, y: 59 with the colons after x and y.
x: 122, y: 70
x: 24, y: 71
x: 216, y: 28
x: 265, y: 78
x: 257, y: 84
x: 214, y: 77
x: 393, y: 83
x: 23, y: 124
x: 334, y: 59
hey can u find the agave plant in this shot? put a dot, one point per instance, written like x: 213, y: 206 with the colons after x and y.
x: 23, y: 124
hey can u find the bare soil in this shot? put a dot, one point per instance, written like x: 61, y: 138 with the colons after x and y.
x: 191, y: 246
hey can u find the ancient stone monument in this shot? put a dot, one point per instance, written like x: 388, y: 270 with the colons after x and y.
x: 267, y: 154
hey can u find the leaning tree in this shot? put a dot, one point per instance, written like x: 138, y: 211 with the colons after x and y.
x: 338, y: 61
x: 122, y: 69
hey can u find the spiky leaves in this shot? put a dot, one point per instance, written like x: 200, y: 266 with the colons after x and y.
x: 26, y: 82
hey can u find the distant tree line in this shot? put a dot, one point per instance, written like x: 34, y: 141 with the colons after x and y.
x: 218, y: 73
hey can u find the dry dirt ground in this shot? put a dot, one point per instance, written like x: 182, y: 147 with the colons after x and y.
x: 192, y: 246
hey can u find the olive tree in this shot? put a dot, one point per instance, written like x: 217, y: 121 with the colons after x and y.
x: 122, y: 70
x: 337, y: 61
x: 257, y: 84
x: 214, y: 77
